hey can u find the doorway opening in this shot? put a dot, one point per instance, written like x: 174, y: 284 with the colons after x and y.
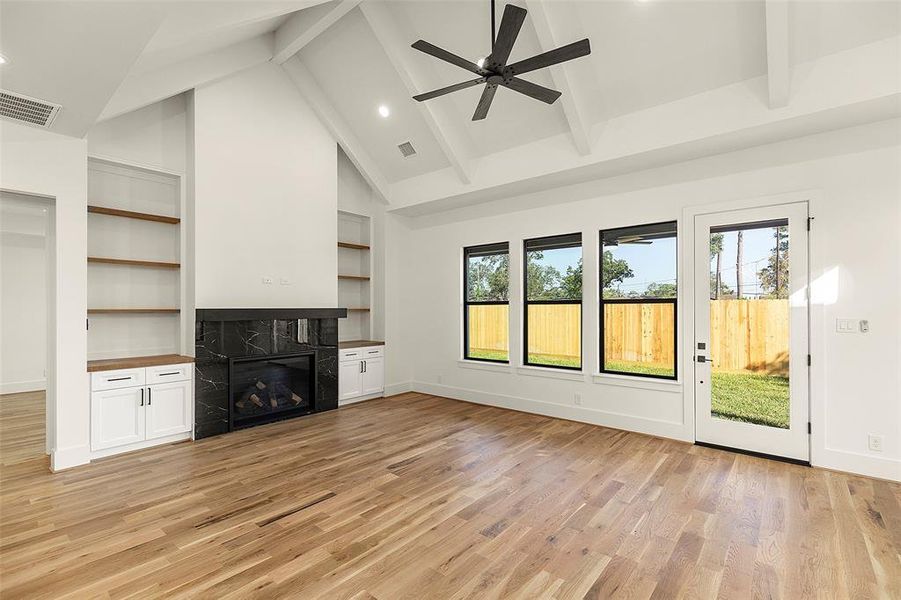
x: 27, y: 291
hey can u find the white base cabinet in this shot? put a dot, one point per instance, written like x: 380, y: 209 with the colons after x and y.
x: 138, y: 408
x: 361, y: 372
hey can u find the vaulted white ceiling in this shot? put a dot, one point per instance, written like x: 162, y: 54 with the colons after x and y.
x: 665, y: 79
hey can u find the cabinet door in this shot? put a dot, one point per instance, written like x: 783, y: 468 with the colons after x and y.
x: 168, y: 409
x: 117, y: 417
x: 350, y: 379
x: 373, y: 375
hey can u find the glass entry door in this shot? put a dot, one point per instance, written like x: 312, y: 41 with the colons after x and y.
x: 751, y: 342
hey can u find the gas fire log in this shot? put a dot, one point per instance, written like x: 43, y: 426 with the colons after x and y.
x: 288, y: 393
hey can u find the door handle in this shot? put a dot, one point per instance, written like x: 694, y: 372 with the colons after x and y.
x: 142, y: 396
x: 705, y: 359
x: 365, y: 366
x: 361, y: 366
x: 148, y: 396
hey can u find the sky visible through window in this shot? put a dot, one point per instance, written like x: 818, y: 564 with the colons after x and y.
x: 757, y: 246
x: 657, y: 266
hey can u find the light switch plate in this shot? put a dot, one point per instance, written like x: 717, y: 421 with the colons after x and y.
x: 845, y: 326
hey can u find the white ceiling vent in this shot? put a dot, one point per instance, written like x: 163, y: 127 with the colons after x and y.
x: 406, y: 149
x: 26, y: 109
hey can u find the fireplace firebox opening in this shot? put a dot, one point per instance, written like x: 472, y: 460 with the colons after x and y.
x: 263, y: 389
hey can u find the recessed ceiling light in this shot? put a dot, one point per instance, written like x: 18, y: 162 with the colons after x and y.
x: 384, y: 111
x: 481, y: 63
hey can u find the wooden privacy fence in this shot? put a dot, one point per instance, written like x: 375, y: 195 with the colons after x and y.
x: 750, y: 335
x: 745, y: 335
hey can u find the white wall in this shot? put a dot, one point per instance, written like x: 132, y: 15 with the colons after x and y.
x: 154, y: 136
x: 25, y: 223
x: 38, y: 162
x: 265, y: 195
x: 857, y: 389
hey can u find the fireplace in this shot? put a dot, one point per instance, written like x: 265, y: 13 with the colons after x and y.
x: 270, y: 388
x: 288, y: 355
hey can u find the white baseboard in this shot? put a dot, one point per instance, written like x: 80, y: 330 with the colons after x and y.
x: 861, y: 464
x: 17, y: 387
x: 66, y: 458
x: 398, y: 388
x: 360, y: 399
x: 177, y: 437
x: 656, y: 427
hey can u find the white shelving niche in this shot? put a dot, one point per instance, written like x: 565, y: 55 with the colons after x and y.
x: 135, y: 272
x: 354, y: 275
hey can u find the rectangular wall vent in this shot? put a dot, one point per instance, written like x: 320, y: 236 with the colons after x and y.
x: 406, y: 149
x: 26, y: 109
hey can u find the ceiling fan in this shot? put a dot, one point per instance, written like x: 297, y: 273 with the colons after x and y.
x: 495, y: 71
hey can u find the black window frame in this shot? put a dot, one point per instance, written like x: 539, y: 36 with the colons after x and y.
x: 602, y: 302
x: 526, y: 302
x: 499, y: 248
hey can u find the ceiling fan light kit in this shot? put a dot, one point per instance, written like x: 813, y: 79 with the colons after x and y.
x: 495, y: 71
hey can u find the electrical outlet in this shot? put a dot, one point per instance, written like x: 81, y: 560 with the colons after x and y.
x: 874, y: 442
x: 267, y: 280
x: 577, y: 399
x: 864, y: 326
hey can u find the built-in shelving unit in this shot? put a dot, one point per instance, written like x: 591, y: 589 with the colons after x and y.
x: 134, y: 265
x: 354, y: 275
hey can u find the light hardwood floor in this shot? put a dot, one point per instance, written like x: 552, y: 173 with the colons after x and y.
x: 416, y: 496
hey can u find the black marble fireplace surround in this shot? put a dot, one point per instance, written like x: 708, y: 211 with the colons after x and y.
x: 224, y: 334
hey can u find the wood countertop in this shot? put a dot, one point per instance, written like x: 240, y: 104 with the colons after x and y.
x: 359, y: 344
x: 134, y: 362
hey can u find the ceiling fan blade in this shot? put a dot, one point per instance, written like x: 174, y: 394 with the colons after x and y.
x: 448, y: 89
x: 484, y: 102
x: 532, y: 90
x: 433, y: 50
x: 511, y: 23
x: 552, y: 57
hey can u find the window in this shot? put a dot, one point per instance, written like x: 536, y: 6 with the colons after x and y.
x: 553, y: 301
x: 486, y: 308
x: 638, y: 300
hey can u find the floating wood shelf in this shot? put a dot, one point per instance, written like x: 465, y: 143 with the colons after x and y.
x: 133, y: 263
x: 353, y: 246
x: 115, y: 212
x: 355, y: 277
x: 358, y: 310
x: 130, y: 311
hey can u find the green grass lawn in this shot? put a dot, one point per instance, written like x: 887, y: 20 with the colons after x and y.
x: 751, y: 398
x: 554, y: 360
x: 550, y: 360
x: 627, y: 367
x: 488, y: 354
